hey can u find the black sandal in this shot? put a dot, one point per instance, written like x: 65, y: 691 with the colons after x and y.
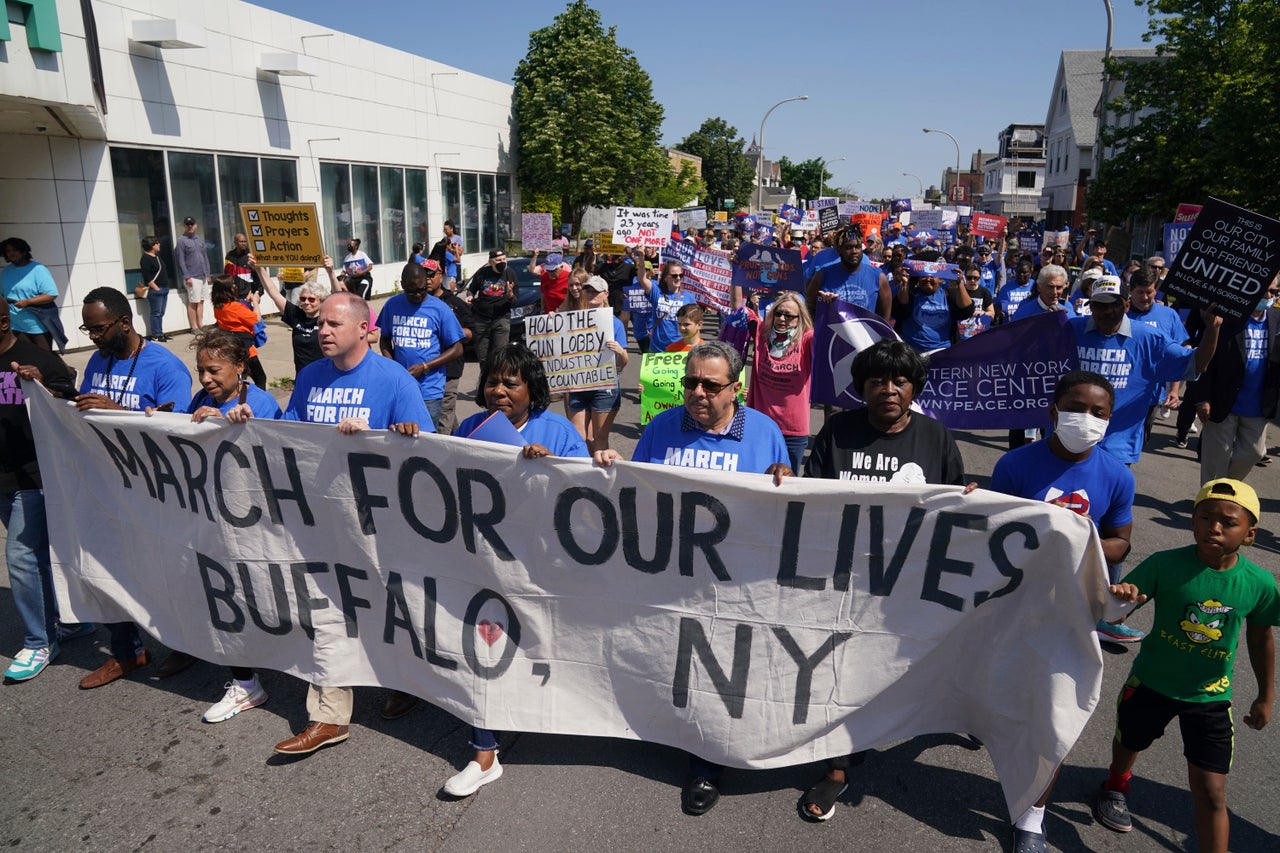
x: 824, y: 796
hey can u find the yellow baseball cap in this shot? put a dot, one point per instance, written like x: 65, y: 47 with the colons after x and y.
x: 1225, y: 489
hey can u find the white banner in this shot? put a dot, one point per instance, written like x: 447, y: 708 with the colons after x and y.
x: 571, y: 347
x: 850, y: 208
x: 642, y: 226
x: 753, y: 625
x: 535, y: 231
x: 926, y: 220
x: 691, y: 217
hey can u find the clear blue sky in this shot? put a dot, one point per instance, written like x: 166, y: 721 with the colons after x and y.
x: 875, y: 72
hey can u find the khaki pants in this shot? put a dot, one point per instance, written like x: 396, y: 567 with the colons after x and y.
x: 1231, y: 448
x: 329, y: 704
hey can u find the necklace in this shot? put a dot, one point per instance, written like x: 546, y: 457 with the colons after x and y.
x: 132, y: 367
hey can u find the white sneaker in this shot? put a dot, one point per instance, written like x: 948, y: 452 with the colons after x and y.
x: 1195, y: 428
x: 472, y: 778
x: 235, y: 700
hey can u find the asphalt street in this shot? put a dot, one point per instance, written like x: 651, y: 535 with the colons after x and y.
x: 131, y: 767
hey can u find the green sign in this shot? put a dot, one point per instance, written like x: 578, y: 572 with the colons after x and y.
x: 43, y: 32
x: 660, y: 389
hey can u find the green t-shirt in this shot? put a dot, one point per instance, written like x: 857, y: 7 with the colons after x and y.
x: 1190, y: 652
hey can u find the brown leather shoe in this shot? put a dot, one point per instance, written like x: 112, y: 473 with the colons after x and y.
x: 397, y: 705
x: 175, y: 663
x: 314, y: 736
x: 113, y: 670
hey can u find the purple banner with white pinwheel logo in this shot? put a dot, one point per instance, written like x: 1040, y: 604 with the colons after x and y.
x: 1001, y: 379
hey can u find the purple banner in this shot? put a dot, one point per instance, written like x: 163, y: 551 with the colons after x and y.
x: 1001, y: 379
x: 768, y: 268
x: 935, y: 269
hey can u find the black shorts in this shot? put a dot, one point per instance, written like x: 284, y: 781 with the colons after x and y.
x: 1207, y: 731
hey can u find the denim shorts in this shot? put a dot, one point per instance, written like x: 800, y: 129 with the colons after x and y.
x: 600, y: 400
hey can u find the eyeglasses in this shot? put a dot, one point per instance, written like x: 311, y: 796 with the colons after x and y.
x: 1156, y: 266
x: 783, y: 315
x: 99, y: 331
x: 712, y: 388
x: 308, y: 298
x: 675, y: 275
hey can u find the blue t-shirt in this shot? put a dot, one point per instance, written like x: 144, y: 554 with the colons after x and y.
x: 1249, y: 401
x: 377, y: 389
x: 1011, y: 296
x: 1137, y: 359
x: 1163, y: 319
x: 663, y: 330
x: 159, y: 378
x: 819, y: 261
x: 24, y: 282
x: 989, y: 270
x: 929, y: 324
x: 1031, y: 306
x: 451, y: 256
x: 419, y: 333
x: 751, y: 445
x: 1099, y: 486
x: 860, y: 287
x: 260, y: 402
x: 552, y: 431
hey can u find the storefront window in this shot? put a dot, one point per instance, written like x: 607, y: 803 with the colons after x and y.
x: 364, y: 211
x: 238, y: 184
x: 142, y: 206
x: 394, y: 245
x: 415, y: 185
x: 195, y: 193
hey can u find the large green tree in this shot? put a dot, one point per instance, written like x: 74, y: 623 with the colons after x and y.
x: 725, y: 168
x: 672, y: 188
x: 808, y: 177
x: 587, y: 121
x: 1213, y: 105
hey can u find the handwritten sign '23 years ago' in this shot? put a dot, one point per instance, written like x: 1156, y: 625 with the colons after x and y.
x: 282, y: 235
x: 642, y: 226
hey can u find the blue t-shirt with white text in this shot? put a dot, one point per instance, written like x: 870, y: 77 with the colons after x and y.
x: 261, y: 403
x: 419, y: 333
x: 665, y: 441
x: 1249, y: 400
x: 160, y: 377
x: 377, y: 389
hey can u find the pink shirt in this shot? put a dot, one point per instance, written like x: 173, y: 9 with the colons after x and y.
x: 780, y: 386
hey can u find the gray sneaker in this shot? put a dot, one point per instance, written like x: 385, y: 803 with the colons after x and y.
x: 1111, y: 809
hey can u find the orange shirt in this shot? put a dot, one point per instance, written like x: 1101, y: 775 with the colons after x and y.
x: 237, y: 318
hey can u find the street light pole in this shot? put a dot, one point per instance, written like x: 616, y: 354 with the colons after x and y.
x: 822, y: 172
x: 760, y: 153
x: 954, y: 142
x: 918, y: 181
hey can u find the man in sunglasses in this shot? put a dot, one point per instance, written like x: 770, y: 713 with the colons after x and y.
x: 712, y: 431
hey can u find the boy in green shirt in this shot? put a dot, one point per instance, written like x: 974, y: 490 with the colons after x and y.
x: 1206, y: 593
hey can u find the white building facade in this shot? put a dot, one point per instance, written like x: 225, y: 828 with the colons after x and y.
x: 117, y: 121
x: 1013, y: 179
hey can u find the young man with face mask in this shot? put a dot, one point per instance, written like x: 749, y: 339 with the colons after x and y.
x: 1067, y: 470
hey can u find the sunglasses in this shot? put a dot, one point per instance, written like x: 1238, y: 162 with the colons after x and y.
x: 712, y: 388
x: 783, y: 315
x: 99, y: 331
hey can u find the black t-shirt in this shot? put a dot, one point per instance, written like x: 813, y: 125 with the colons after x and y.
x: 153, y: 270
x: 306, y: 345
x: 489, y: 292
x: 461, y: 310
x: 982, y: 299
x: 18, y: 467
x: 848, y: 447
x: 618, y: 274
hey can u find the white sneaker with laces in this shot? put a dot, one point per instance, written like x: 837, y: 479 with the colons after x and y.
x: 472, y: 779
x: 235, y: 700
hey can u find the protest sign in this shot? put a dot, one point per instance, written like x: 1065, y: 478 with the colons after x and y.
x: 764, y: 233
x: 810, y: 222
x: 1002, y: 379
x: 292, y: 275
x: 282, y: 235
x: 823, y: 201
x: 1028, y: 241
x: 691, y: 217
x: 768, y: 268
x: 642, y: 226
x: 926, y: 220
x: 1187, y: 213
x: 1175, y: 234
x: 747, y: 224
x: 536, y: 231
x: 1228, y: 259
x: 987, y: 225
x: 922, y: 239
x: 571, y: 347
x: 604, y: 244
x: 722, y: 216
x: 828, y: 218
x: 708, y: 273
x: 790, y: 213
x: 972, y: 326
x: 1058, y: 238
x: 936, y: 269
x: 867, y: 223
x: 900, y: 205
x: 660, y: 389
x: 677, y: 606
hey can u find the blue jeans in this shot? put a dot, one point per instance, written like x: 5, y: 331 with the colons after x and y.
x: 435, y: 408
x: 30, y: 573
x: 483, y: 739
x: 157, y: 299
x: 796, y: 446
x: 126, y: 641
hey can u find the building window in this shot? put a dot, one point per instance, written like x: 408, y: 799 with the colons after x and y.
x: 237, y: 184
x: 384, y: 206
x: 394, y: 240
x: 193, y: 185
x: 481, y: 206
x: 365, y: 222
x: 335, y: 199
x: 142, y: 206
x: 415, y: 193
x: 1026, y: 180
x: 279, y: 180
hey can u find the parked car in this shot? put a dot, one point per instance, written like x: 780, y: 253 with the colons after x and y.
x: 530, y: 301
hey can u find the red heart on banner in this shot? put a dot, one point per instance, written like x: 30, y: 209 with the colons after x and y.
x: 490, y: 632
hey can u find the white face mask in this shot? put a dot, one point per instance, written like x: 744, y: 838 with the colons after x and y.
x: 1079, y: 431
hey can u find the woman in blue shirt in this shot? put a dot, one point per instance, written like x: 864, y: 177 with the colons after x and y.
x: 926, y: 312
